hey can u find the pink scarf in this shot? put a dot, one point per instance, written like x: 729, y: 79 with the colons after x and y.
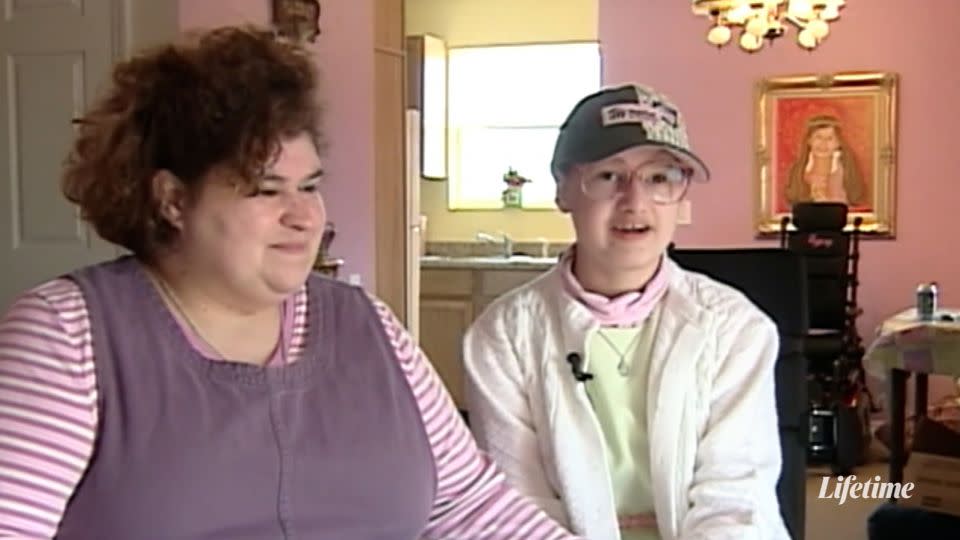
x: 628, y: 309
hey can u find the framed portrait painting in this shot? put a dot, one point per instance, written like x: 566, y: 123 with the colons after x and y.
x: 297, y: 20
x: 827, y: 138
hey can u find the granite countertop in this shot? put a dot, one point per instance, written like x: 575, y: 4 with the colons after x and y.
x: 488, y: 262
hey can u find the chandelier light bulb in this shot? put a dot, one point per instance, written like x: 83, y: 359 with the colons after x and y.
x: 750, y: 42
x: 806, y: 39
x: 819, y: 29
x: 719, y: 35
x: 757, y: 27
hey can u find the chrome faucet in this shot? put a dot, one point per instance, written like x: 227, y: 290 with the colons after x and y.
x: 506, y: 242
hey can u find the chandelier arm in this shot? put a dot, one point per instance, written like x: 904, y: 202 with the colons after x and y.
x: 796, y: 21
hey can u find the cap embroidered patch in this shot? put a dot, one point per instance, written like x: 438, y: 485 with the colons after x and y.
x: 647, y: 113
x: 659, y: 119
x: 618, y: 117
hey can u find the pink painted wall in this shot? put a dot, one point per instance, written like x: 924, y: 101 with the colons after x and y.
x: 663, y: 44
x: 345, y: 56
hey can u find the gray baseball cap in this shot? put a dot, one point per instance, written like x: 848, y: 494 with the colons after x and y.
x: 620, y: 117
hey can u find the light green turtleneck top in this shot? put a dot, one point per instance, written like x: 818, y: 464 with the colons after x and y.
x: 619, y: 361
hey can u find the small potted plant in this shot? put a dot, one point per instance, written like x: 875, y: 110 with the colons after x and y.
x: 513, y: 195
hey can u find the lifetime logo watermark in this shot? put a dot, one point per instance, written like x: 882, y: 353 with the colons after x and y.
x: 871, y: 489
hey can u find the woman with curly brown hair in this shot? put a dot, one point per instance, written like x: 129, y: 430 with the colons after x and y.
x: 209, y: 385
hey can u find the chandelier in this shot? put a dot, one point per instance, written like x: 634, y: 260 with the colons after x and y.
x: 768, y: 19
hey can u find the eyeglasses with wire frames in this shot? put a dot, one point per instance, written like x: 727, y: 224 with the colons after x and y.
x: 662, y: 183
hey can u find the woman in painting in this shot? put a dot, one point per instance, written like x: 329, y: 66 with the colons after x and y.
x: 825, y: 170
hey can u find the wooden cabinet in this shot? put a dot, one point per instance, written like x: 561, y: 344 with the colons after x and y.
x: 450, y: 300
x: 443, y: 323
x: 389, y: 160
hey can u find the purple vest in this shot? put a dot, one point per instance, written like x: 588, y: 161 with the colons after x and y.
x: 330, y: 447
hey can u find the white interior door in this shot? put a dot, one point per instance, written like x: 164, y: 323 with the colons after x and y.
x: 54, y: 57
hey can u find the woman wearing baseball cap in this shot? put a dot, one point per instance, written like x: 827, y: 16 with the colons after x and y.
x: 630, y: 398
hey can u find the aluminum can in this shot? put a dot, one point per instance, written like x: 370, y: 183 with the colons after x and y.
x: 926, y: 301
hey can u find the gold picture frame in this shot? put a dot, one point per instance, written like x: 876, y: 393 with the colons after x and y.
x: 297, y: 20
x: 827, y: 137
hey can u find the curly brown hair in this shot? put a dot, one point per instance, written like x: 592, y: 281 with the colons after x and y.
x: 226, y: 97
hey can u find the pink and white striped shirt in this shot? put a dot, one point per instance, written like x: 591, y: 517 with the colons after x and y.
x: 48, y: 425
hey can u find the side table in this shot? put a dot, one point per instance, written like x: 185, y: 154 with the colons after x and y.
x: 905, y: 346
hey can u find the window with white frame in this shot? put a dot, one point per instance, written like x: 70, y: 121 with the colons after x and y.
x: 505, y: 106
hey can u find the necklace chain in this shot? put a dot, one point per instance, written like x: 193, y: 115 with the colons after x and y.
x: 622, y: 366
x: 168, y: 292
